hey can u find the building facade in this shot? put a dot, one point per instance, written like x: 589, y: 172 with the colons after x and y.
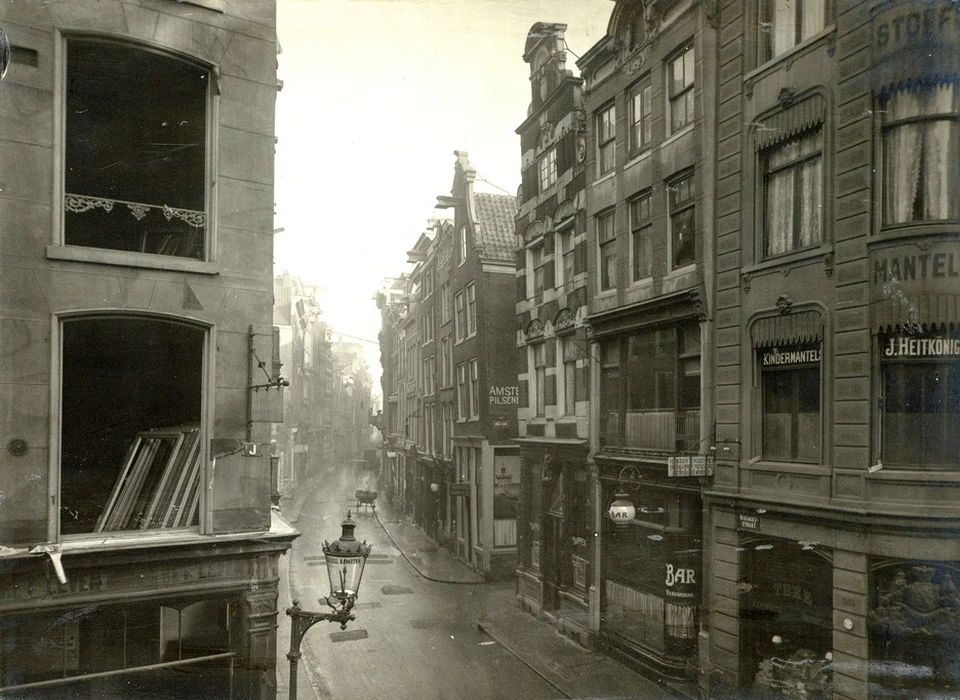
x: 832, y: 522
x: 555, y: 535
x: 648, y: 96
x: 481, y: 287
x: 139, y: 551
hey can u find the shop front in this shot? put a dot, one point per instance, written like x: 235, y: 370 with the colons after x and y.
x: 556, y: 527
x: 786, y: 611
x: 651, y: 566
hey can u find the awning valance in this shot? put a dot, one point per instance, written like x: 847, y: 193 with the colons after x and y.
x: 789, y: 122
x: 797, y: 328
x: 925, y: 311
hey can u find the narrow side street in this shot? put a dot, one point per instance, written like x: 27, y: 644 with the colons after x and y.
x: 427, y: 626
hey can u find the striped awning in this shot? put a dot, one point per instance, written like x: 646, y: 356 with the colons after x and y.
x: 789, y: 122
x: 796, y: 328
x: 926, y: 311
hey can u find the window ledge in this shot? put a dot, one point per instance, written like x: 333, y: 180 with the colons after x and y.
x: 788, y: 467
x: 789, y: 260
x: 673, y: 137
x: 604, y: 177
x: 938, y: 475
x: 639, y: 157
x: 914, y: 229
x: 128, y: 259
x: 680, y: 271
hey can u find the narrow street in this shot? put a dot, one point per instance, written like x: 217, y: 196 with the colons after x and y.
x: 413, y: 638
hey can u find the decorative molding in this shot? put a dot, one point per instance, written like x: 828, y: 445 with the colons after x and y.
x: 634, y: 62
x: 784, y: 304
x: 78, y: 204
x: 565, y: 319
x: 786, y: 97
x: 745, y: 282
x: 828, y: 263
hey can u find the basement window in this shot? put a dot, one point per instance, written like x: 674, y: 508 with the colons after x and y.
x: 131, y: 450
x: 135, y: 175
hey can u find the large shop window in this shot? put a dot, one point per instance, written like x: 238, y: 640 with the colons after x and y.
x: 786, y: 618
x: 791, y: 403
x: 786, y: 23
x: 793, y: 194
x: 914, y: 635
x: 651, y: 571
x: 920, y: 399
x: 921, y: 154
x: 136, y: 150
x: 656, y: 405
x: 108, y: 651
x: 131, y: 451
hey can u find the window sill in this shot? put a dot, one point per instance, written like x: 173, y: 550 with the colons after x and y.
x: 680, y: 271
x: 128, y: 259
x: 673, y: 137
x: 823, y: 37
x: 605, y: 177
x: 769, y: 465
x: 638, y: 158
x: 943, y: 475
x: 789, y: 260
x: 916, y: 229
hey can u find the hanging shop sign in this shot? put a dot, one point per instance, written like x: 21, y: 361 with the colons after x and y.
x: 622, y: 510
x: 690, y: 465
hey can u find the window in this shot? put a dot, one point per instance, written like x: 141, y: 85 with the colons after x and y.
x: 460, y: 318
x: 444, y: 303
x: 640, y: 117
x: 786, y: 23
x: 607, y: 140
x: 463, y: 397
x: 471, y: 309
x: 540, y: 376
x: 445, y: 368
x: 793, y: 194
x: 570, y: 356
x: 462, y: 245
x: 791, y: 403
x: 607, y: 239
x: 136, y: 158
x: 567, y: 257
x: 537, y: 266
x: 680, y: 89
x: 474, y: 389
x: 650, y: 389
x: 921, y: 152
x: 682, y: 222
x: 130, y: 459
x: 641, y: 232
x: 920, y: 385
x: 548, y: 169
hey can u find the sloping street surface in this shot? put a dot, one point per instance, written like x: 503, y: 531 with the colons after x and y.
x: 427, y: 626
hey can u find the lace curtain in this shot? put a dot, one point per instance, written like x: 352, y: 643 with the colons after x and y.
x: 920, y: 154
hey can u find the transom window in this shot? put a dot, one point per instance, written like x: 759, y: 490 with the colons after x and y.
x: 786, y: 23
x: 921, y: 154
x: 640, y: 116
x: 682, y: 221
x: 641, y: 231
x: 607, y: 139
x: 135, y: 176
x: 607, y: 238
x: 793, y: 194
x: 680, y: 89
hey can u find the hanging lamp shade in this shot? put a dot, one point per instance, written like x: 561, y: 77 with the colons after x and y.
x: 346, y: 558
x: 622, y: 510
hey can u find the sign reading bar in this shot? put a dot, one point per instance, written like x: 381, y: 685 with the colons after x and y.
x: 690, y: 465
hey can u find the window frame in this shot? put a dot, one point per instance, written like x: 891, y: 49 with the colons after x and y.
x: 767, y: 28
x: 641, y: 231
x: 60, y: 249
x: 462, y: 392
x: 569, y: 354
x: 678, y: 207
x: 606, y: 129
x: 685, y: 94
x: 539, y: 360
x: 459, y: 317
x: 888, y: 126
x: 473, y: 376
x: 547, y: 169
x: 462, y: 245
x: 641, y: 131
x: 795, y: 165
x: 796, y: 373
x: 606, y: 250
x: 565, y: 269
x: 471, y: 303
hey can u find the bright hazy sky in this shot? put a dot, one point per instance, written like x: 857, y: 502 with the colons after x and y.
x: 377, y: 95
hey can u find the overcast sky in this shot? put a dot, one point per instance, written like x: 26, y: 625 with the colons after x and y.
x: 377, y: 95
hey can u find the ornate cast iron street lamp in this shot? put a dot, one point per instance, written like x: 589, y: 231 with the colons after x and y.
x: 345, y: 561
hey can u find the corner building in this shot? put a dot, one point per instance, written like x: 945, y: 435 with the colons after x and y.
x: 648, y: 94
x: 139, y: 553
x: 832, y: 522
